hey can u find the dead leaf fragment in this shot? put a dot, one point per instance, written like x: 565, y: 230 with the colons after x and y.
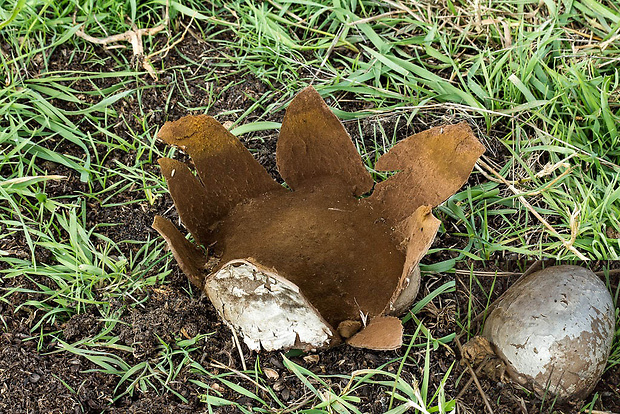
x: 311, y: 359
x: 272, y: 374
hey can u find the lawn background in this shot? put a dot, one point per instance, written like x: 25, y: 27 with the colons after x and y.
x: 538, y: 81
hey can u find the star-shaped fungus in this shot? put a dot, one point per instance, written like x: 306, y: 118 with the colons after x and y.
x: 310, y: 266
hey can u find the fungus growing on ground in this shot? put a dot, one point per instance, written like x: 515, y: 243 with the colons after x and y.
x: 551, y: 332
x: 307, y: 267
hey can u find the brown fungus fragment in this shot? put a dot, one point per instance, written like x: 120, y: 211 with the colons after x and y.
x: 292, y: 265
x: 313, y: 147
x: 432, y: 166
x: 382, y: 333
x: 189, y: 257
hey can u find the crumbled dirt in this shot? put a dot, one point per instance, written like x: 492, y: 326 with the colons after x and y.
x: 49, y: 381
x: 31, y: 381
x: 82, y: 325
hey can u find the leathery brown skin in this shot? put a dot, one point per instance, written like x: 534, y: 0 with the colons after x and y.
x: 349, y: 256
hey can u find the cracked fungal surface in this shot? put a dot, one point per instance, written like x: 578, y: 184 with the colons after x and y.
x: 555, y: 328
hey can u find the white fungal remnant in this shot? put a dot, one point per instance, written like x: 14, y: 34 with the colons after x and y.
x: 555, y: 329
x: 269, y: 311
